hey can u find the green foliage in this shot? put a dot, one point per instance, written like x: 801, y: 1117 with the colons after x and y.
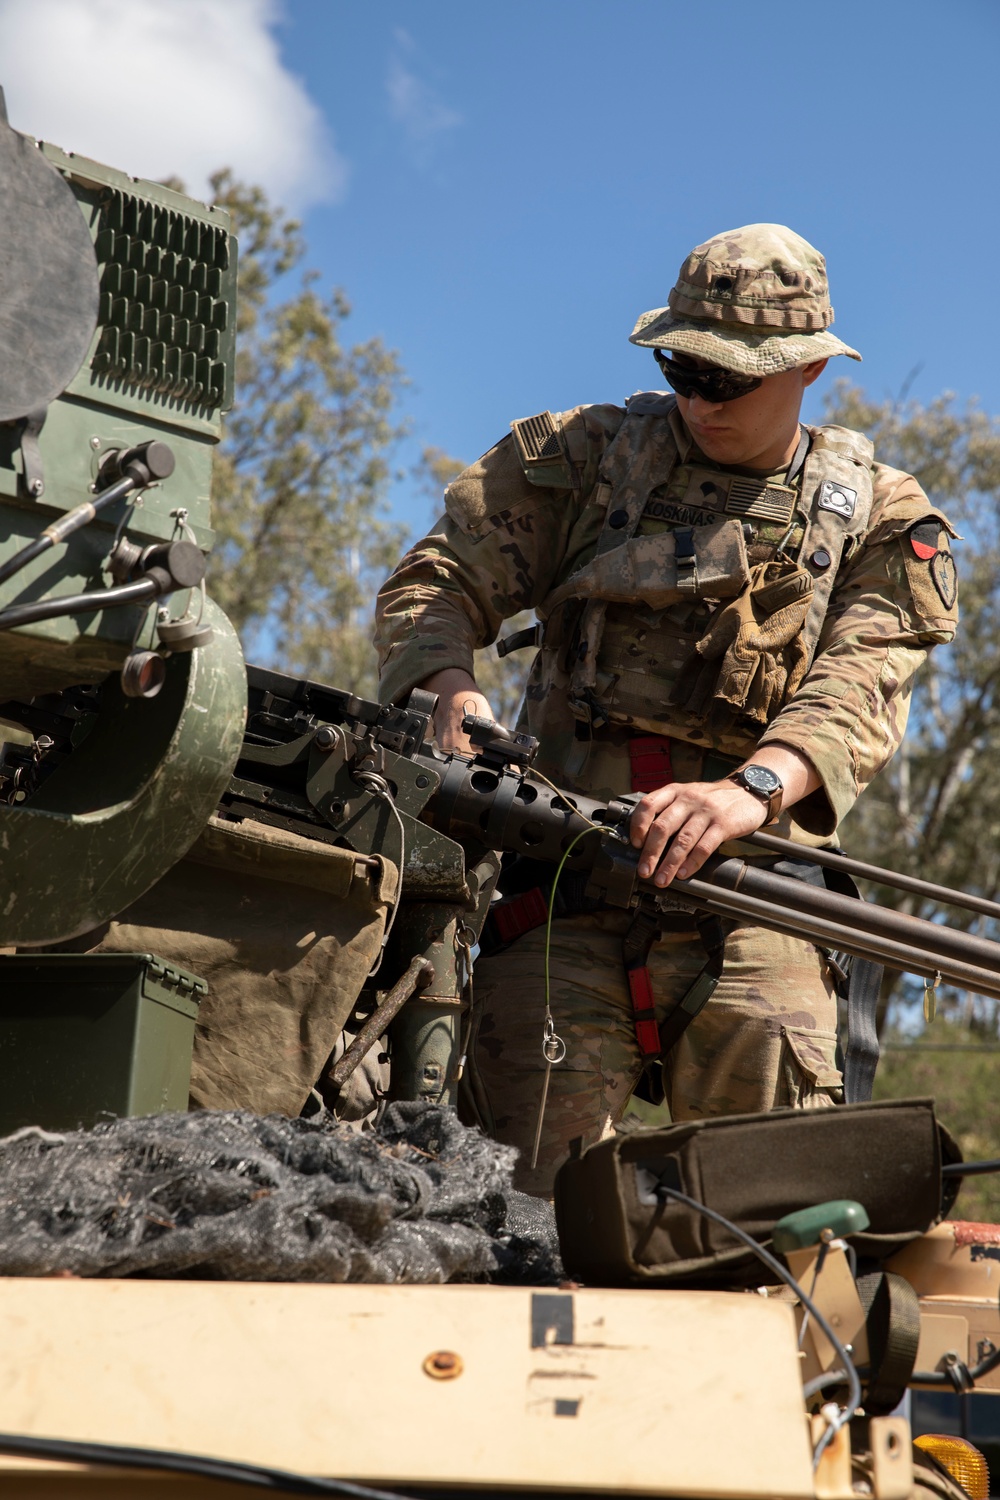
x: 300, y: 478
x: 954, y: 1065
x: 935, y: 812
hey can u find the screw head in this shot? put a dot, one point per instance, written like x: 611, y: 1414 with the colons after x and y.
x: 325, y: 737
x: 95, y: 442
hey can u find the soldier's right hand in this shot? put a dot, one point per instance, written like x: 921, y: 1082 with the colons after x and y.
x: 458, y: 695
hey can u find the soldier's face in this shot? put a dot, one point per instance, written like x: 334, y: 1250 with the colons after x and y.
x: 755, y: 430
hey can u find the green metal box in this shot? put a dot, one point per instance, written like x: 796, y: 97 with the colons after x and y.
x: 84, y: 1036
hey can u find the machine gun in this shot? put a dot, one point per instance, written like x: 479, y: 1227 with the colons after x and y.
x: 367, y: 776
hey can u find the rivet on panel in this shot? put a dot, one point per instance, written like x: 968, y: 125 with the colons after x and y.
x: 443, y: 1364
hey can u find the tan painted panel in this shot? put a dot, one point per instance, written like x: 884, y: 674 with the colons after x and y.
x: 691, y: 1393
x: 963, y: 1325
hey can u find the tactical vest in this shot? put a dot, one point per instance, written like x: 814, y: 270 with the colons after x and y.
x: 622, y: 632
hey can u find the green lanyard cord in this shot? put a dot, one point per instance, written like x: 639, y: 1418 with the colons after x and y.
x: 594, y: 828
x: 553, y: 1046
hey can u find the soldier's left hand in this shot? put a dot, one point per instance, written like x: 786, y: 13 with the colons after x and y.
x: 694, y: 818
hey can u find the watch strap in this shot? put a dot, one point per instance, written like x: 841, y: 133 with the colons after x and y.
x: 772, y: 800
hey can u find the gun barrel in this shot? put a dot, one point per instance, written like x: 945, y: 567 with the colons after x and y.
x: 915, y: 932
x: 832, y: 860
x: 510, y: 810
x: 794, y: 922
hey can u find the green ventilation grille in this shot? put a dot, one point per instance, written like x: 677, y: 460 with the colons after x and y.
x: 167, y: 302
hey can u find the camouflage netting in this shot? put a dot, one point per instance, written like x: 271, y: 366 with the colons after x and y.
x: 229, y: 1195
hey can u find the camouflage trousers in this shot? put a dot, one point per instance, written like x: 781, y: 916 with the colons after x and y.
x: 767, y: 1037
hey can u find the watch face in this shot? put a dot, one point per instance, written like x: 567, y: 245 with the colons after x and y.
x: 761, y: 780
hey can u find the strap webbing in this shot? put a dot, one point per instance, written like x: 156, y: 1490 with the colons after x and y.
x: 531, y: 635
x: 892, y: 1319
x: 864, y: 985
x: 647, y: 1033
x: 649, y: 757
x: 712, y: 931
x: 518, y: 915
x: 655, y: 1040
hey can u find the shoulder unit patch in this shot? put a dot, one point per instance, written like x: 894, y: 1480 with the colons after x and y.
x: 945, y: 576
x: 924, y: 539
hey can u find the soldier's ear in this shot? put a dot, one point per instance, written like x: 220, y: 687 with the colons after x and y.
x: 813, y: 372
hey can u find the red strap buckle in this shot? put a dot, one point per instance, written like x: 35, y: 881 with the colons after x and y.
x: 647, y: 1032
x: 650, y: 758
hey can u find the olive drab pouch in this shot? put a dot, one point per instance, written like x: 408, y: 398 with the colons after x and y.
x: 753, y: 656
x: 285, y: 930
x: 675, y: 566
x: 617, y: 1228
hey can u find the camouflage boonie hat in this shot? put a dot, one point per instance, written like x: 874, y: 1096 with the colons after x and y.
x: 755, y: 300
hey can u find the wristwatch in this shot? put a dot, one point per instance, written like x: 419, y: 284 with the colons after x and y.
x: 764, y: 784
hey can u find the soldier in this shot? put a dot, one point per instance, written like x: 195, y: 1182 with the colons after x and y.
x: 732, y: 610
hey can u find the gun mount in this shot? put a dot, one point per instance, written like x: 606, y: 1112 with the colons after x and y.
x: 117, y: 327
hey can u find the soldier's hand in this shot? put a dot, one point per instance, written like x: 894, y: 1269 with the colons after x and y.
x: 694, y: 818
x: 458, y: 695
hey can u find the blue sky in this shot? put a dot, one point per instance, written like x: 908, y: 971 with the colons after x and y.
x: 524, y: 179
x: 502, y: 189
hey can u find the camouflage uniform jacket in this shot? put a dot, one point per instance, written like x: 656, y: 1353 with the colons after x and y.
x: 584, y: 517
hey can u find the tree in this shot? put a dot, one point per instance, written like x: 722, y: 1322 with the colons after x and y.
x: 935, y: 811
x: 301, y: 474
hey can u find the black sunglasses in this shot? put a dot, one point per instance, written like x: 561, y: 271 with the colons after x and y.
x: 713, y: 384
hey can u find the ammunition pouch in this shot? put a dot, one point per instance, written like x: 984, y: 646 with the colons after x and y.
x: 616, y: 1229
x: 709, y: 562
x: 753, y: 656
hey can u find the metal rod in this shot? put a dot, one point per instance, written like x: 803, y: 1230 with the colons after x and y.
x: 81, y: 604
x: 848, y: 866
x: 59, y: 530
x: 835, y: 935
x: 417, y: 977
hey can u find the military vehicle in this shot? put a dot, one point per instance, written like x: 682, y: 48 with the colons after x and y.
x: 187, y: 843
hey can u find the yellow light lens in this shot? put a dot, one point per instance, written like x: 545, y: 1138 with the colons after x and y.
x: 964, y: 1463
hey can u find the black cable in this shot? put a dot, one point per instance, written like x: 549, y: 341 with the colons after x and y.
x: 139, y: 592
x: 122, y: 1456
x: 773, y: 1264
x: 943, y: 1377
x: 970, y: 1168
x: 66, y: 525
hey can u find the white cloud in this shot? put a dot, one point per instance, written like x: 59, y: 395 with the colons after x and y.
x: 414, y: 104
x: 162, y: 87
